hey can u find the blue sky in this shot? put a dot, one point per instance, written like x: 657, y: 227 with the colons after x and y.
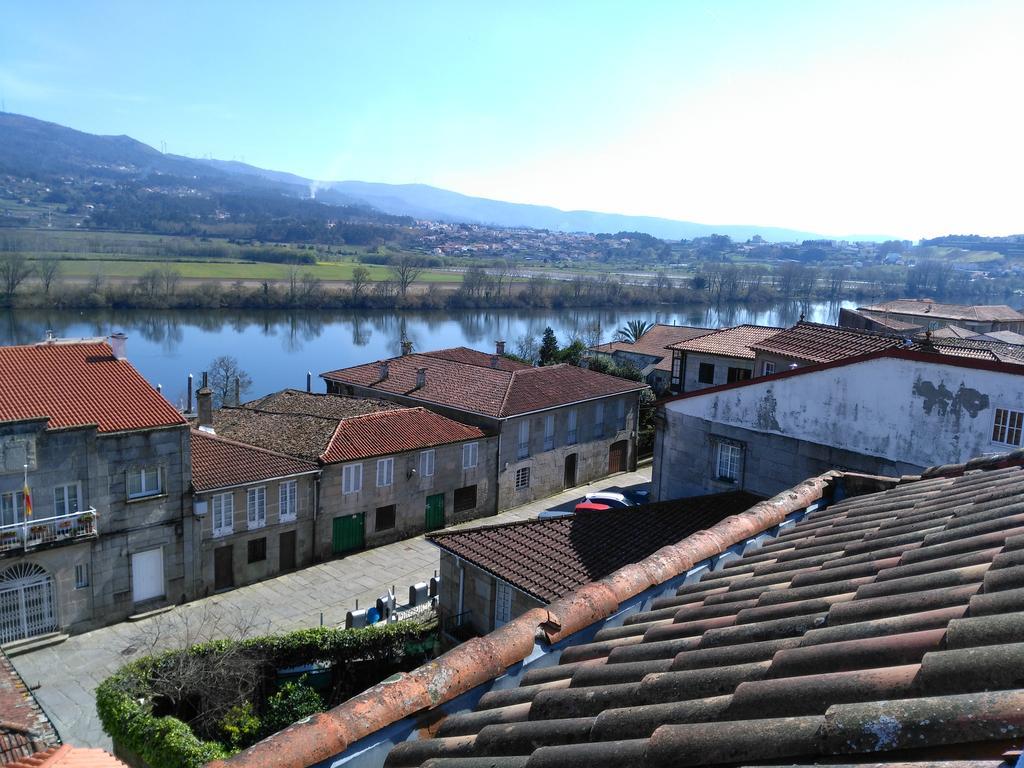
x: 839, y: 117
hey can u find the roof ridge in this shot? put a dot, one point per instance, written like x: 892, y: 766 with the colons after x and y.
x: 291, y: 414
x: 213, y: 436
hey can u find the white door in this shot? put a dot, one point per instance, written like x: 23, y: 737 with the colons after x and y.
x: 147, y: 575
x: 27, y: 603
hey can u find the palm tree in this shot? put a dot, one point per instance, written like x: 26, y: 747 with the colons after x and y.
x: 633, y: 330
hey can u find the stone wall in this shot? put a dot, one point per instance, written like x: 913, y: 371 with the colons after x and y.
x: 477, y: 595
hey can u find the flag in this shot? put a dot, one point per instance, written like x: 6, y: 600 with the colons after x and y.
x: 28, y: 501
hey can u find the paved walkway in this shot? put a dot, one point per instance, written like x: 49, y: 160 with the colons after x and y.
x: 67, y: 674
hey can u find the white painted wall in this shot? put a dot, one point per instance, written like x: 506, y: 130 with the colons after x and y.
x: 722, y: 366
x: 920, y: 413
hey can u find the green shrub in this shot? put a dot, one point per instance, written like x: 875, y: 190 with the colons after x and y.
x: 241, y: 726
x: 293, y: 702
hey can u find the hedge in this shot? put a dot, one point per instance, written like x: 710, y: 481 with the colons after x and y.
x: 125, y: 710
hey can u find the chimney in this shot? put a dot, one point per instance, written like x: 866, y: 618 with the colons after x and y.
x: 406, y: 347
x: 188, y: 409
x: 238, y: 391
x: 204, y: 405
x: 494, y: 361
x: 309, y: 381
x: 118, y: 343
x: 421, y: 377
x: 499, y: 348
x: 384, y: 370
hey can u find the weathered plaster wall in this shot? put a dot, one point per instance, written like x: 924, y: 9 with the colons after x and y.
x: 722, y: 366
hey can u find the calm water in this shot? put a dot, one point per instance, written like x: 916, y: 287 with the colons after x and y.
x: 277, y: 348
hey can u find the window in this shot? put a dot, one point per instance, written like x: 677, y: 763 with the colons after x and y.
x: 599, y: 420
x: 706, y: 373
x: 351, y: 478
x: 1007, y: 426
x: 288, y: 500
x: 65, y: 500
x: 549, y: 432
x: 523, y: 445
x: 81, y: 576
x: 522, y: 478
x: 385, y: 472
x: 767, y: 368
x: 144, y: 482
x: 427, y: 462
x: 223, y: 513
x: 12, y: 508
x: 620, y: 415
x: 570, y: 435
x: 469, y: 455
x: 728, y: 462
x: 737, y: 374
x: 257, y: 550
x: 256, y: 507
x: 465, y: 498
x: 502, y: 603
x: 385, y: 518
x: 677, y: 368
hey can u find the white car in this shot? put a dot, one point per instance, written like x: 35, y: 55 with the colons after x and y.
x: 609, y: 499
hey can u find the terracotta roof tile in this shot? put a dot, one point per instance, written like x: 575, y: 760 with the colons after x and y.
x: 220, y: 463
x: 817, y: 343
x: 728, y: 342
x: 78, y: 384
x: 24, y: 727
x: 398, y: 431
x: 654, y: 343
x: 67, y: 756
x: 927, y: 308
x: 474, y: 357
x: 326, y: 406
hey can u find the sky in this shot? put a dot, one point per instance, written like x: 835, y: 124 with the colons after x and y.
x: 862, y: 117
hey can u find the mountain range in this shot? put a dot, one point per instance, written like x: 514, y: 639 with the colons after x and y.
x: 31, y: 147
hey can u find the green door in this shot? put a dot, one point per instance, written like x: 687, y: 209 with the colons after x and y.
x: 435, y: 512
x: 349, y: 533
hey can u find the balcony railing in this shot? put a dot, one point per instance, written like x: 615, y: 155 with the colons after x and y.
x: 47, y: 530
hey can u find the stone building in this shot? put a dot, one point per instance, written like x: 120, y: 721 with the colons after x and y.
x: 916, y: 315
x: 558, y: 426
x: 721, y: 357
x: 106, y: 461
x: 649, y: 353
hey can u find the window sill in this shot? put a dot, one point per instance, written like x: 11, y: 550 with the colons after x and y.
x: 255, y: 526
x: 220, y: 534
x: 140, y: 499
x: 726, y: 480
x: 287, y: 518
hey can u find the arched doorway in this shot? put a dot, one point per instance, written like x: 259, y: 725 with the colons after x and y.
x: 28, y: 602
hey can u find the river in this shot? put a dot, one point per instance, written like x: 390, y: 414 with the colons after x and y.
x: 277, y: 348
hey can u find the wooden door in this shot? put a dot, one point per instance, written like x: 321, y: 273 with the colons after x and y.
x: 617, y: 456
x: 286, y: 549
x: 569, y: 481
x: 435, y: 512
x: 223, y: 568
x: 349, y: 533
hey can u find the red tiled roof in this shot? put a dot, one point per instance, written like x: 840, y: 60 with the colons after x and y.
x: 78, y: 384
x: 475, y: 357
x: 549, y: 558
x: 928, y: 308
x: 728, y: 342
x: 482, y: 389
x: 817, y: 343
x: 407, y: 429
x: 67, y: 756
x: 221, y: 463
x: 24, y: 727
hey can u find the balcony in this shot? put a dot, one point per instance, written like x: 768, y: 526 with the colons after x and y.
x: 37, y: 531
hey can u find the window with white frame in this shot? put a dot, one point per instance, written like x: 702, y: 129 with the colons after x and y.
x: 599, y: 420
x: 12, y: 508
x: 523, y: 443
x: 351, y: 478
x: 144, y: 481
x: 1006, y: 428
x: 288, y: 500
x: 767, y: 368
x: 620, y: 414
x: 728, y: 462
x: 385, y: 472
x: 502, y: 603
x: 570, y: 434
x: 470, y: 455
x: 222, y: 513
x: 256, y: 507
x: 522, y: 478
x: 65, y: 500
x: 81, y: 575
x: 549, y: 432
x: 427, y: 463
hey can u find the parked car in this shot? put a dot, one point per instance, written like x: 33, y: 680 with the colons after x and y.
x: 590, y: 506
x: 609, y: 499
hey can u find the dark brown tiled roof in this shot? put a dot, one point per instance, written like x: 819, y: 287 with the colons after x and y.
x: 818, y: 343
x: 220, y: 463
x: 549, y: 558
x: 293, y: 434
x: 883, y: 629
x: 728, y: 342
x: 654, y: 343
x: 927, y: 308
x: 24, y: 727
x: 484, y: 390
x: 474, y: 357
x: 327, y: 406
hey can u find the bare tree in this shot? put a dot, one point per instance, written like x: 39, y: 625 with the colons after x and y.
x: 527, y: 348
x: 501, y: 271
x: 475, y: 282
x: 226, y: 375
x: 360, y: 277
x: 170, y: 278
x: 48, y: 270
x: 149, y: 282
x: 407, y: 269
x: 14, y: 269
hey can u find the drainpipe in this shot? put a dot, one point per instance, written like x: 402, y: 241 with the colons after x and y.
x: 661, y: 427
x: 462, y: 587
x: 316, y: 513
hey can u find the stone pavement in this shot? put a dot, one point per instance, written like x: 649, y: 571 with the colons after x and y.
x: 67, y: 674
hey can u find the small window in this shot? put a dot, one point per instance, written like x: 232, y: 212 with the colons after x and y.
x: 465, y: 498
x: 351, y: 478
x: 144, y: 482
x: 256, y: 507
x: 523, y: 445
x: 767, y: 368
x: 257, y: 550
x: 522, y: 478
x: 677, y: 366
x: 570, y: 434
x: 65, y: 500
x: 222, y: 513
x: 549, y: 432
x: 706, y: 373
x: 427, y: 463
x: 470, y: 455
x: 728, y: 462
x: 620, y: 415
x: 385, y: 518
x: 599, y: 420
x: 12, y: 508
x: 737, y: 374
x: 1006, y: 428
x: 385, y: 472
x: 81, y: 576
x: 502, y: 603
x: 288, y: 500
